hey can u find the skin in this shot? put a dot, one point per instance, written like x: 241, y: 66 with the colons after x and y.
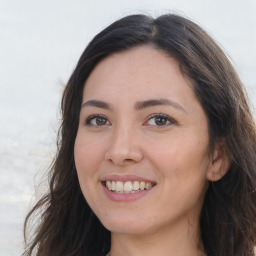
x: 173, y: 152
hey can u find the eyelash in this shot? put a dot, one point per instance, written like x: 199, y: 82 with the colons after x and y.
x: 168, y: 119
x: 93, y: 117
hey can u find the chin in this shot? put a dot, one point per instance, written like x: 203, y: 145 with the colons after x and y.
x: 125, y: 226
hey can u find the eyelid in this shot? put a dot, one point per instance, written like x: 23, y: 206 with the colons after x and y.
x: 91, y: 117
x: 151, y: 116
x: 170, y: 119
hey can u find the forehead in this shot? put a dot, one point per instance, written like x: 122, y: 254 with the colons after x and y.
x: 140, y: 72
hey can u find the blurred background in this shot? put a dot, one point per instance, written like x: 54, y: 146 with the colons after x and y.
x: 40, y: 43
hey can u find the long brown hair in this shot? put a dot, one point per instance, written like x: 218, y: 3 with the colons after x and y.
x: 228, y: 219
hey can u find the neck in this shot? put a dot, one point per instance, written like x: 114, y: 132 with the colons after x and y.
x: 178, y: 242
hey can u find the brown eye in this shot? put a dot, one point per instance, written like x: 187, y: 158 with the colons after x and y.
x: 160, y: 120
x: 97, y: 121
x: 100, y: 121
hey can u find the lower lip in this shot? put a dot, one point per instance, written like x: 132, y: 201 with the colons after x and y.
x: 125, y: 197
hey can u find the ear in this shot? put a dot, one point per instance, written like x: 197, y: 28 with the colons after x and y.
x: 220, y: 162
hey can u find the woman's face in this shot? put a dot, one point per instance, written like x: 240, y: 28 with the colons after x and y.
x: 142, y: 147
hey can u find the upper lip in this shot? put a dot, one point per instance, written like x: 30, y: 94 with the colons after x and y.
x: 125, y: 177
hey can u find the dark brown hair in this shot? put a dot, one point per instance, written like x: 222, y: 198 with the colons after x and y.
x: 228, y: 219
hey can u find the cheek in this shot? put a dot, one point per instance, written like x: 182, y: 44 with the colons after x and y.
x: 87, y: 150
x: 181, y: 158
x: 87, y: 155
x: 87, y: 163
x: 182, y: 169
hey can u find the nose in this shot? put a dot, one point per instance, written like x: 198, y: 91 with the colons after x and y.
x: 124, y: 147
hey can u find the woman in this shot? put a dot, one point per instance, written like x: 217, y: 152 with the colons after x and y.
x: 156, y: 152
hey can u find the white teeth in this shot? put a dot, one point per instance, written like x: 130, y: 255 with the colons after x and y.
x: 148, y: 185
x: 109, y: 184
x: 142, y: 185
x: 136, y: 185
x: 119, y: 186
x: 113, y: 184
x: 128, y: 186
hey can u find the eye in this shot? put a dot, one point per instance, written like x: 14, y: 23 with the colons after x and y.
x: 97, y: 120
x: 160, y: 120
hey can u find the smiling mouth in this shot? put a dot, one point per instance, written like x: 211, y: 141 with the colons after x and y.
x: 128, y: 186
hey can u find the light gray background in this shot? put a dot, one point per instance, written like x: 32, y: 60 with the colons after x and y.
x: 40, y: 42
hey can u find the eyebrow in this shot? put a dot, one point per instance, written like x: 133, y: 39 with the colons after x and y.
x: 138, y: 105
x: 97, y: 103
x: 156, y: 102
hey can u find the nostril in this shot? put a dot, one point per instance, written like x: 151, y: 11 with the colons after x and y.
x: 125, y: 155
